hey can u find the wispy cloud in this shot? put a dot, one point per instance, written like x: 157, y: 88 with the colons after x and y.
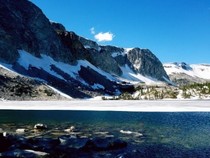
x: 102, y: 36
x: 92, y: 30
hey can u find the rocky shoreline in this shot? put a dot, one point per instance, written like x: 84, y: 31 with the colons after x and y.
x: 72, y: 145
x: 68, y: 145
x: 62, y: 139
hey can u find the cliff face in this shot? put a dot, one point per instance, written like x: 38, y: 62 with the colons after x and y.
x: 111, y: 58
x: 141, y: 61
x: 146, y: 63
x: 24, y: 27
x: 35, y: 47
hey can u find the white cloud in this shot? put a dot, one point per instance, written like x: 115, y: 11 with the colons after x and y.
x: 104, y: 36
x: 92, y: 30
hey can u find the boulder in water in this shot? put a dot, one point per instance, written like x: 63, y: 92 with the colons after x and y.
x: 40, y: 126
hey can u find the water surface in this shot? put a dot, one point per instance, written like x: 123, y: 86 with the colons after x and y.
x: 187, y: 129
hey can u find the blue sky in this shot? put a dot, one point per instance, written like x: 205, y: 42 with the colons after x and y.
x: 174, y: 30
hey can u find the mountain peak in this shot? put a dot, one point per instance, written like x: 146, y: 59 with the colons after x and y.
x: 38, y: 48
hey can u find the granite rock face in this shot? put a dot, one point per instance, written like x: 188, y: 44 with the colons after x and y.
x: 24, y: 27
x: 84, y: 49
x: 141, y: 61
x: 146, y: 63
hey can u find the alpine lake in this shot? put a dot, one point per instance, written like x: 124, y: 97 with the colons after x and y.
x: 146, y: 134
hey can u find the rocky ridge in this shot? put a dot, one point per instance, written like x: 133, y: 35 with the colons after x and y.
x: 99, y: 69
x: 141, y: 61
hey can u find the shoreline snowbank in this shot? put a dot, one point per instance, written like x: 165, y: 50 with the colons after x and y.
x: 120, y: 105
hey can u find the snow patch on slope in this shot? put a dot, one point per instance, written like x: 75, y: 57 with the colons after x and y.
x: 26, y: 60
x: 130, y: 76
x: 201, y: 70
x: 9, y: 68
x: 45, y: 63
x: 194, y: 70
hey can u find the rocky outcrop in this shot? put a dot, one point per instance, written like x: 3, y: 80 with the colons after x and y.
x: 89, y: 43
x: 141, y: 61
x: 59, y: 28
x: 82, y: 48
x: 104, y: 61
x: 146, y: 63
x: 24, y: 27
x: 70, y: 40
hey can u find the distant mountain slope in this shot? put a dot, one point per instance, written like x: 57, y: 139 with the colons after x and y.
x: 182, y: 73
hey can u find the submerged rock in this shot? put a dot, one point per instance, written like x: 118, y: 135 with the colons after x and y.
x: 105, y: 144
x: 42, y: 144
x: 20, y: 146
x: 72, y: 142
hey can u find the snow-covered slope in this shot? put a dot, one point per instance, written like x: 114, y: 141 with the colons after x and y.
x: 45, y: 62
x: 194, y: 70
x: 132, y: 77
x: 46, y: 69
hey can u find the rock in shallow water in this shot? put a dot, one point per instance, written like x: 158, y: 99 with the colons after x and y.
x: 40, y: 126
x: 70, y: 129
x: 19, y: 146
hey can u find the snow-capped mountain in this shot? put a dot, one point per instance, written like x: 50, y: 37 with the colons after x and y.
x: 183, y: 73
x: 36, y: 48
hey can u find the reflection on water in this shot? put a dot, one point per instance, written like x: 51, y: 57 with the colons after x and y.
x: 190, y: 130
